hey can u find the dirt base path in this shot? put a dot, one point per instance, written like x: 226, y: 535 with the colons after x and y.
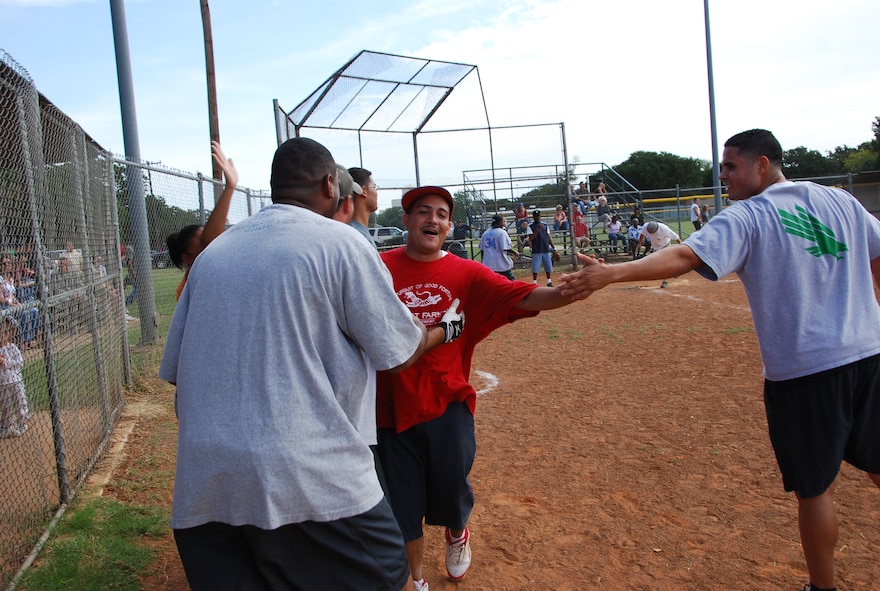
x: 622, y: 445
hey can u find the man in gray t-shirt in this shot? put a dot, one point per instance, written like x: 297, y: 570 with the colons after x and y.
x: 805, y: 255
x: 268, y: 347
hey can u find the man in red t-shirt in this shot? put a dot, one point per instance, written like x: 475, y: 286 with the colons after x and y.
x: 425, y: 413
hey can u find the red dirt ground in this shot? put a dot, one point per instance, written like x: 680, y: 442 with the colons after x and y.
x: 623, y: 447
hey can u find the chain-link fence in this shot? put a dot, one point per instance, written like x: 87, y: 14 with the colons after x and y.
x: 61, y: 335
x: 77, y: 285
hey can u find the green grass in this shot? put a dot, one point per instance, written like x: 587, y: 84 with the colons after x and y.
x: 96, y: 547
x: 738, y: 329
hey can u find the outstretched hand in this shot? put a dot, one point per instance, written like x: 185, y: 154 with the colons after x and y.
x: 452, y: 322
x: 230, y: 174
x: 581, y: 284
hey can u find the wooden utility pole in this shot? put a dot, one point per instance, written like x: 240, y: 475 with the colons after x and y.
x: 213, y: 119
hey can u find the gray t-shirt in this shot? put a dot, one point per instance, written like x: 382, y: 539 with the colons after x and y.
x: 803, y: 253
x: 495, y: 242
x: 365, y: 232
x: 267, y: 347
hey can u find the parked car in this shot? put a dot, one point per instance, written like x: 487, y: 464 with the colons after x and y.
x: 161, y: 259
x: 387, y: 235
x: 54, y: 256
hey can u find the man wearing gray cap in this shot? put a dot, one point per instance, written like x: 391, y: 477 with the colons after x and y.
x: 349, y: 190
x: 366, y: 202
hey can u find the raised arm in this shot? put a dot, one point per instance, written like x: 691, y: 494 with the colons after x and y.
x: 216, y: 222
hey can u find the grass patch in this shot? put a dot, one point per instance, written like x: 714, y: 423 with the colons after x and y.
x: 613, y: 336
x: 96, y: 547
x: 738, y: 329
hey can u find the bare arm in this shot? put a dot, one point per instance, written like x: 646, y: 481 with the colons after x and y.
x: 544, y: 298
x: 216, y: 222
x: 669, y: 262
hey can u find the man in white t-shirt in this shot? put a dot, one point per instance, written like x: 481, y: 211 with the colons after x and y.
x: 659, y: 235
x: 806, y: 255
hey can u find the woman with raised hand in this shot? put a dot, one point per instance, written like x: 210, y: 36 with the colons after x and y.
x: 184, y: 246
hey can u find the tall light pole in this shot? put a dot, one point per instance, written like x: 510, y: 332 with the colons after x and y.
x: 137, y: 205
x: 716, y: 183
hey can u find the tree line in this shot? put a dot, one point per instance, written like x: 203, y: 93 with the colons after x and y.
x: 662, y: 170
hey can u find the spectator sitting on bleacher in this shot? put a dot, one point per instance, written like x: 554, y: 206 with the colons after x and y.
x: 615, y: 233
x: 632, y: 235
x: 560, y: 220
x: 637, y: 213
x: 581, y: 232
x: 577, y: 201
x: 603, y: 211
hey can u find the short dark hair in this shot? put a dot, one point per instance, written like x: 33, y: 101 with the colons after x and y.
x: 360, y: 175
x: 299, y: 165
x: 757, y: 143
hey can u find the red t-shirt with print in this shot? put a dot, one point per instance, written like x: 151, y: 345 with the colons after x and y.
x: 424, y: 390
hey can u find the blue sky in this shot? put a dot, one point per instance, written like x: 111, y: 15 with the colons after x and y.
x: 623, y: 76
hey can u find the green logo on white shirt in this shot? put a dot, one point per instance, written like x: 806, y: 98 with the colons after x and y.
x: 806, y: 226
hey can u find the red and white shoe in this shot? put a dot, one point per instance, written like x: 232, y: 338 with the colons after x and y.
x: 458, y: 555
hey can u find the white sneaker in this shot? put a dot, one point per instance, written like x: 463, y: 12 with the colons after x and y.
x: 420, y: 585
x: 458, y: 556
x: 535, y: 282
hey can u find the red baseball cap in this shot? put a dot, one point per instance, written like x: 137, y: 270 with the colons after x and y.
x: 413, y: 195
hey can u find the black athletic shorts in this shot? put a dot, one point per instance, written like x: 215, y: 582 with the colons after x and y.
x: 426, y: 468
x: 819, y: 420
x: 359, y: 553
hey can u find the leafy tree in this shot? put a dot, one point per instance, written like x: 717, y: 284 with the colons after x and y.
x: 840, y: 154
x: 393, y: 216
x: 162, y: 219
x: 547, y: 194
x: 653, y: 170
x: 861, y: 161
x: 801, y: 162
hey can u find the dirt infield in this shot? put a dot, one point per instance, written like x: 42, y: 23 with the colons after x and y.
x: 621, y: 446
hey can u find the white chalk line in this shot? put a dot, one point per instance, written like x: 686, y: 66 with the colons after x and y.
x: 491, y: 381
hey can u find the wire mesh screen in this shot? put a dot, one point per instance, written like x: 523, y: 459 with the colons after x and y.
x: 61, y: 336
x: 380, y: 92
x: 73, y: 296
x: 174, y: 200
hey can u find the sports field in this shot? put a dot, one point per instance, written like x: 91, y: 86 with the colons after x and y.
x: 621, y: 446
